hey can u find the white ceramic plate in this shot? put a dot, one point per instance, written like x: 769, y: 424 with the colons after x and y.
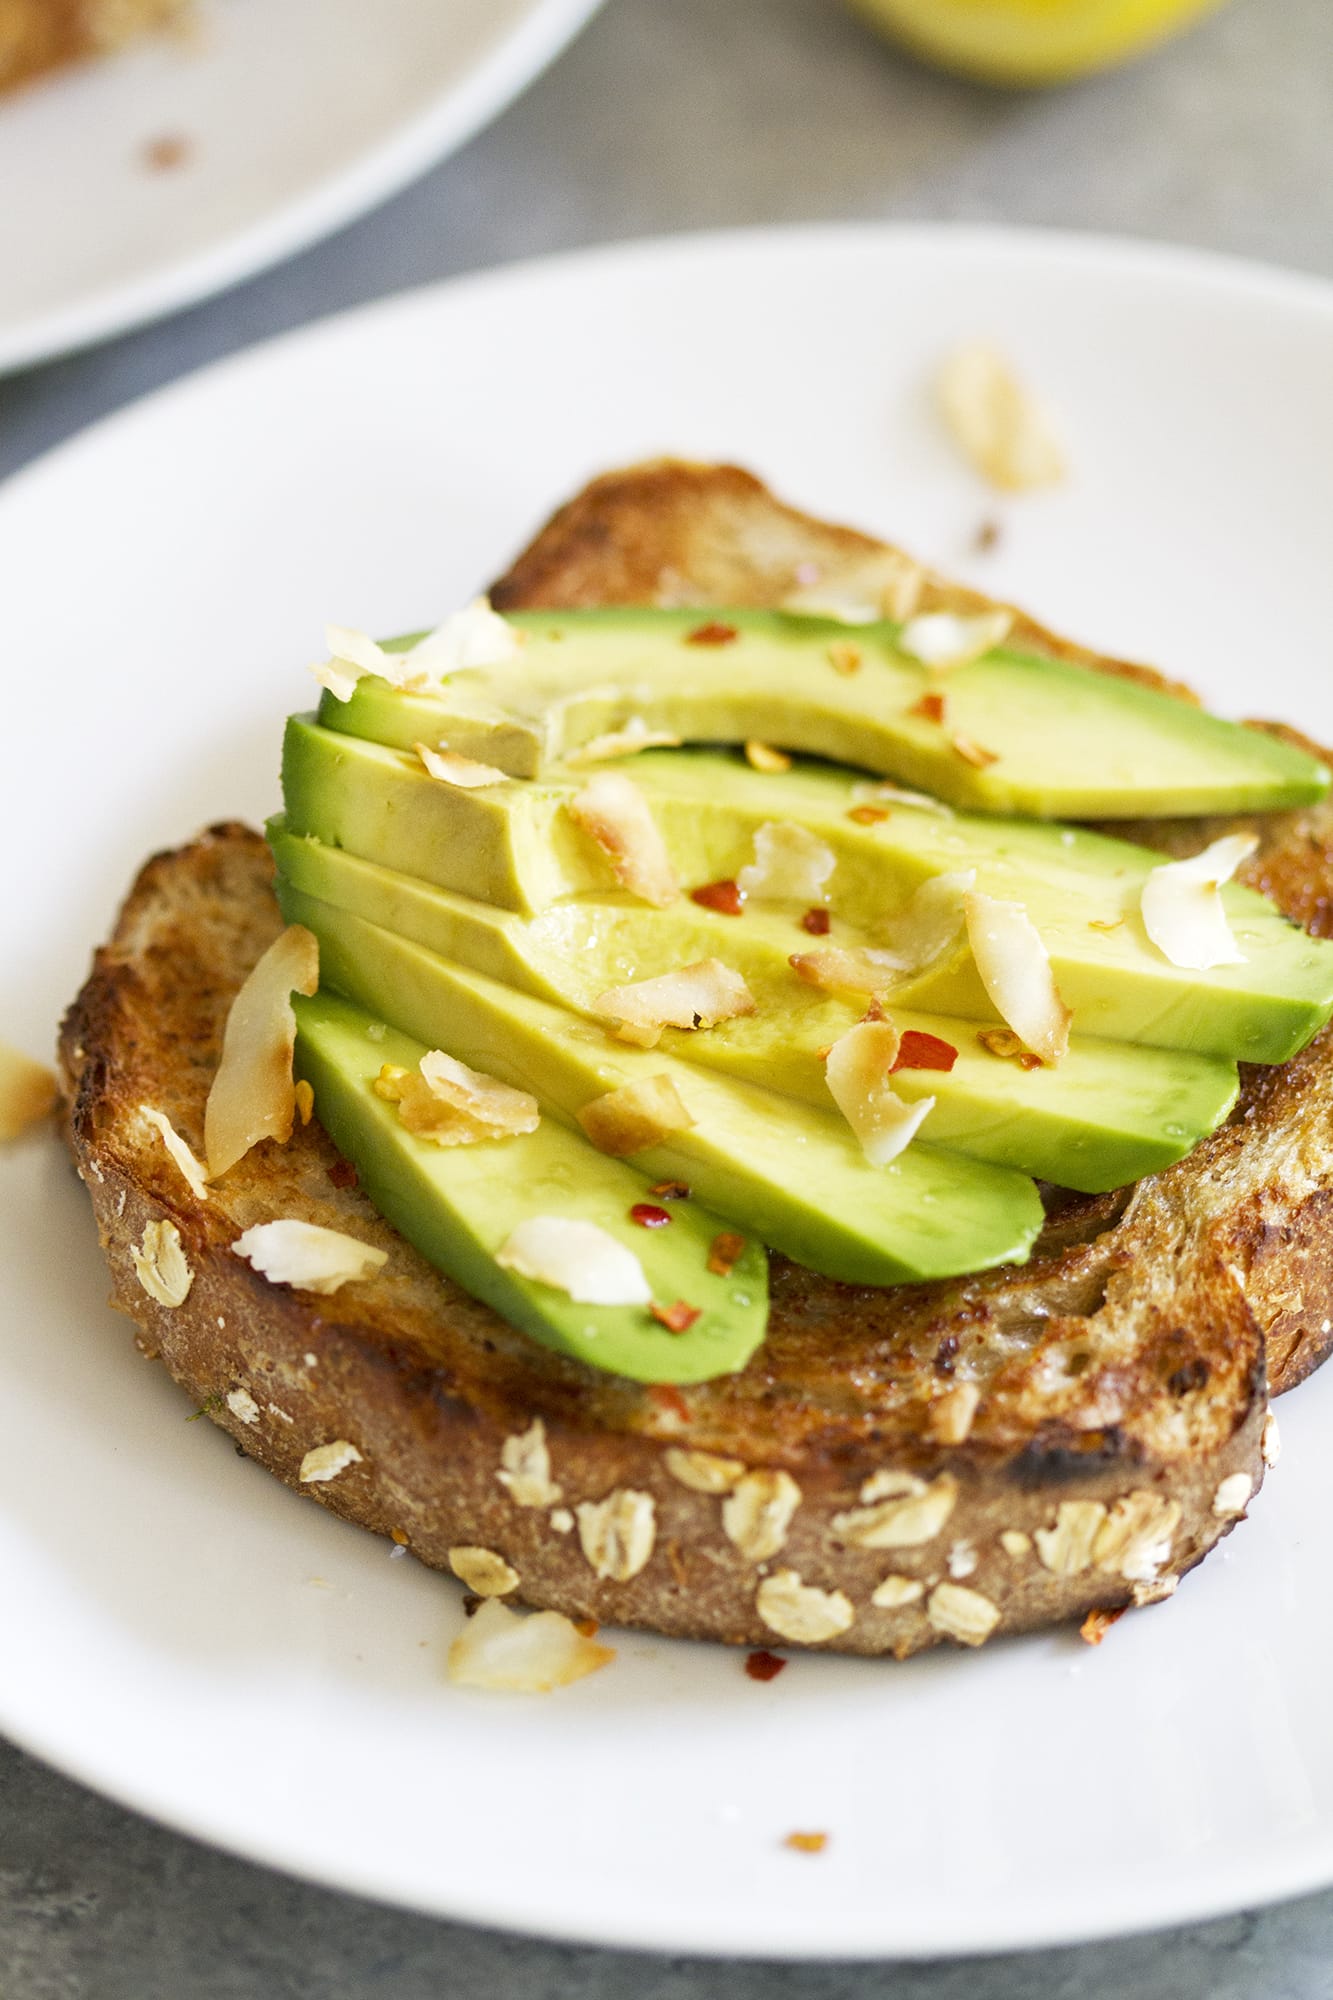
x: 295, y: 116
x: 188, y: 1636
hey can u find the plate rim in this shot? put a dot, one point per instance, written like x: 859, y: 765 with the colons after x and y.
x: 1281, y: 1876
x: 457, y: 114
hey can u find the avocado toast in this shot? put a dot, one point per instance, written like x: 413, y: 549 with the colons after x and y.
x: 893, y: 1465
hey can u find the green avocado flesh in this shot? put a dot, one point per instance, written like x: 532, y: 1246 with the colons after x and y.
x: 780, y: 1170
x: 459, y: 1204
x: 1108, y: 1114
x: 515, y: 846
x: 1065, y: 742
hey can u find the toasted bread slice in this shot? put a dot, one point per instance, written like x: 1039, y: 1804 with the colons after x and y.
x: 894, y: 1466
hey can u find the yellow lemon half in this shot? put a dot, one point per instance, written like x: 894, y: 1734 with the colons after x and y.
x: 1032, y: 41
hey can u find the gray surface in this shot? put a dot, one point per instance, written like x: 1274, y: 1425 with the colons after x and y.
x: 672, y: 114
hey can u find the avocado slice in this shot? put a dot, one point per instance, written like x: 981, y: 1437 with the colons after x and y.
x: 792, y: 1175
x: 514, y: 845
x: 1110, y: 1113
x: 459, y: 1204
x: 1062, y: 741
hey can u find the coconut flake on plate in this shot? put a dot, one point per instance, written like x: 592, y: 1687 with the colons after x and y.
x: 476, y: 636
x: 452, y: 769
x: 445, y: 1101
x: 191, y: 1168
x: 859, y: 1073
x: 514, y: 1652
x: 791, y: 865
x: 697, y: 996
x: 306, y: 1256
x: 635, y: 1116
x: 578, y: 1258
x: 28, y: 1092
x: 253, y: 1096
x: 1015, y: 970
x: 613, y: 812
x: 1182, y: 906
x: 944, y: 639
x: 627, y: 742
x: 997, y: 421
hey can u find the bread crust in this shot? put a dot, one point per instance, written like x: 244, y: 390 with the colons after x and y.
x: 1072, y: 1435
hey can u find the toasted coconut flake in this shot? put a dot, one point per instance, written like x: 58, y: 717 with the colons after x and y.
x: 929, y: 923
x: 191, y: 1168
x: 509, y: 1652
x: 160, y: 1264
x: 635, y: 1116
x: 703, y: 1471
x: 525, y: 1468
x: 1003, y: 429
x: 763, y: 757
x: 483, y: 1571
x: 626, y: 742
x: 943, y: 639
x: 325, y: 1461
x: 307, y: 1257
x: 791, y: 865
x: 800, y: 1611
x: 476, y: 636
x: 613, y: 812
x: 881, y: 792
x: 1016, y: 973
x: 1183, y: 912
x: 617, y: 1534
x: 858, y: 1073
x: 698, y: 996
x: 578, y: 1258
x: 835, y: 969
x: 28, y: 1092
x: 253, y: 1096
x: 352, y: 655
x: 758, y: 1512
x: 451, y: 1105
x: 847, y: 606
x: 464, y: 772
x: 962, y: 1614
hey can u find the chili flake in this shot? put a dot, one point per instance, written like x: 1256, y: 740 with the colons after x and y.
x: 667, y: 1397
x: 670, y: 1191
x: 868, y: 815
x: 725, y: 897
x: 1097, y: 1624
x: 648, y: 1215
x: 712, y: 634
x: 725, y: 1252
x: 678, y: 1318
x: 918, y: 1050
x: 930, y: 708
x: 816, y: 921
x: 343, y: 1174
x: 763, y: 1665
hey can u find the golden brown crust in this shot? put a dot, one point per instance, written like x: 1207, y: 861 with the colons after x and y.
x: 1118, y: 1377
x: 41, y: 35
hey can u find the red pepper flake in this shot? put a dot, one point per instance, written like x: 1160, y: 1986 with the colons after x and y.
x: 817, y: 922
x: 725, y: 1253
x: 648, y: 1215
x: 725, y: 897
x: 973, y: 753
x: 713, y: 634
x: 806, y: 1843
x: 667, y: 1397
x: 763, y: 1665
x: 1029, y: 1061
x: 670, y: 1191
x: 588, y: 1627
x: 930, y: 708
x: 918, y: 1050
x: 868, y: 815
x: 343, y: 1174
x: 678, y: 1318
x: 1097, y: 1624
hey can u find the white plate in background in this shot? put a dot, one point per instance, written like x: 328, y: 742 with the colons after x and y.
x: 186, y: 1635
x: 292, y: 118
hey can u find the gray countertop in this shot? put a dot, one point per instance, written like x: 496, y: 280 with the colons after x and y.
x: 668, y: 115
